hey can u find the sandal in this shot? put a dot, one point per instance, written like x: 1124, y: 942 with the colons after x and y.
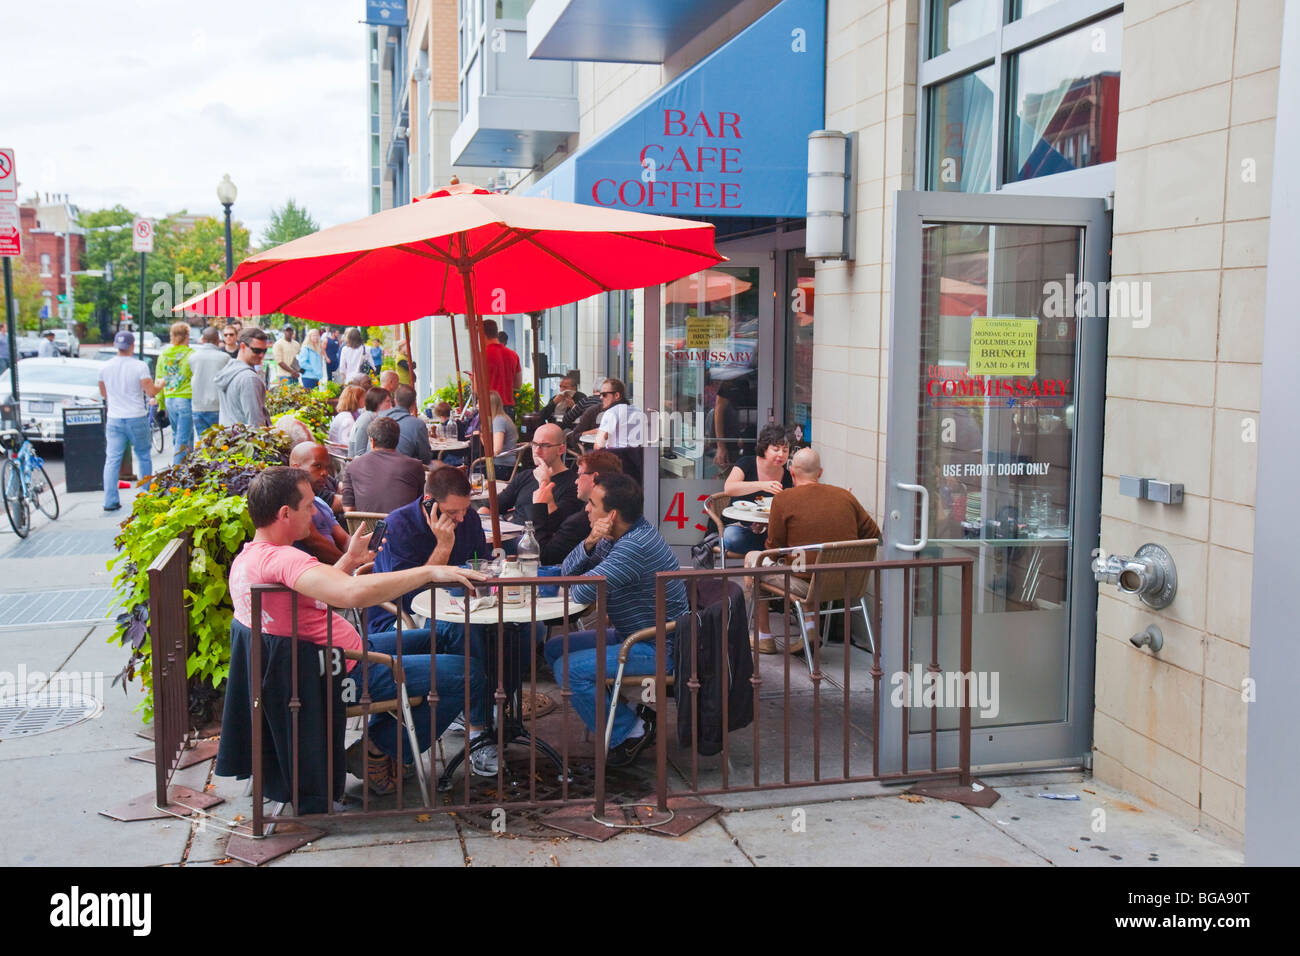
x: 378, y: 774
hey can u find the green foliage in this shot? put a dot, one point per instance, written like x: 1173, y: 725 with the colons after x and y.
x: 445, y: 394
x: 315, y: 409
x: 27, y: 290
x: 524, y: 402
x: 202, y: 496
x: 289, y: 222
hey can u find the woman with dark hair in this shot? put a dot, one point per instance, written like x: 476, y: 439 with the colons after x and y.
x: 760, y: 474
x: 352, y: 354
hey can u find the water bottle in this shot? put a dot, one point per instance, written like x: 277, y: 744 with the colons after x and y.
x: 511, y: 594
x: 529, y: 552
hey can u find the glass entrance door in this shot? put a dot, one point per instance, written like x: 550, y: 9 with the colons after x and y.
x: 994, y: 452
x: 716, y: 384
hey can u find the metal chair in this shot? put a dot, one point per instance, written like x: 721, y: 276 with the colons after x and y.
x: 616, y: 682
x: 713, y: 507
x: 400, y: 706
x: 850, y: 586
x: 361, y: 519
x: 479, y: 461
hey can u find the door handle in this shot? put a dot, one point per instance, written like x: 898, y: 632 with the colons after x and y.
x: 925, y: 517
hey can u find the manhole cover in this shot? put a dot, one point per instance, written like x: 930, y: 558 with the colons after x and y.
x: 40, y: 713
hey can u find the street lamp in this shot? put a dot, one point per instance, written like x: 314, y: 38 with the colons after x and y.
x: 226, y: 193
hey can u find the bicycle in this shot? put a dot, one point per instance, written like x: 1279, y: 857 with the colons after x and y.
x: 157, y: 430
x: 25, y: 483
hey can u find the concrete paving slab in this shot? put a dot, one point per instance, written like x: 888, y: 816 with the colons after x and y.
x: 1131, y: 834
x: 39, y: 648
x: 56, y: 800
x: 425, y: 853
x: 707, y: 845
x: 881, y: 831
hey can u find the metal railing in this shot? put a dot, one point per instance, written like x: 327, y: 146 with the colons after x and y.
x: 169, y: 631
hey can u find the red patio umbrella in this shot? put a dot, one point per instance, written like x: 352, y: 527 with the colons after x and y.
x: 457, y: 251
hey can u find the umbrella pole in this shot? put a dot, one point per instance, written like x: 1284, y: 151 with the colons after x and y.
x: 479, y: 362
x: 455, y: 353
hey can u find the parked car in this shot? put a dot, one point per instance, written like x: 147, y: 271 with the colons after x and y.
x: 106, y: 352
x: 68, y: 343
x: 28, y: 346
x: 47, y: 386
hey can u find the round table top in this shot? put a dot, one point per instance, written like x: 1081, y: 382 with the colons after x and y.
x: 483, y: 495
x: 508, y: 528
x: 452, y: 445
x: 453, y: 609
x: 751, y: 515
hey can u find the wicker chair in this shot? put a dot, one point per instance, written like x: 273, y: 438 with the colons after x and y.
x: 850, y: 586
x: 713, y: 507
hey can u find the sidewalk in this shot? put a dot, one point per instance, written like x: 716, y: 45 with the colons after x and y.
x: 53, y: 784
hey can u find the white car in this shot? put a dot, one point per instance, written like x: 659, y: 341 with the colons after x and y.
x: 47, y: 386
x: 68, y: 344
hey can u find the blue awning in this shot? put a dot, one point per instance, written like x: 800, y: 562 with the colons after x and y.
x: 726, y: 138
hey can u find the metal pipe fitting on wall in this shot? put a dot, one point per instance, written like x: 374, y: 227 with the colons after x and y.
x: 1151, y: 638
x: 1150, y: 574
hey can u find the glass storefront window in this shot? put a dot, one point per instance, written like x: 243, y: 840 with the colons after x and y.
x: 1064, y: 102
x: 799, y: 346
x: 960, y: 133
x: 1026, y: 8
x: 710, y: 371
x: 619, y: 326
x: 513, y: 9
x: 954, y: 22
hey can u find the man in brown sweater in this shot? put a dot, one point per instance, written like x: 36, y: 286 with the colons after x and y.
x: 381, y: 480
x: 810, y: 513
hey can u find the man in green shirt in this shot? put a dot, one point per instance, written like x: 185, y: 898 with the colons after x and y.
x: 174, y: 376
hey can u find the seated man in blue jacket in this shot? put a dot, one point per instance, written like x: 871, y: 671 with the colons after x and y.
x: 623, y: 548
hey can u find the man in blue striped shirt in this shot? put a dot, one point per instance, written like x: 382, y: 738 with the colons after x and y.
x: 624, y: 549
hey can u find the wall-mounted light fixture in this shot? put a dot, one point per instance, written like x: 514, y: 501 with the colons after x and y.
x: 832, y: 164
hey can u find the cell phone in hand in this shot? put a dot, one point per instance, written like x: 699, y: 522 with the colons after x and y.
x: 377, y: 535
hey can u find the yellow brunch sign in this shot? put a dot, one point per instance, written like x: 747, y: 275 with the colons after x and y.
x: 1002, y: 346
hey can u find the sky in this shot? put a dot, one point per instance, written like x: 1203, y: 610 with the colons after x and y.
x: 147, y: 104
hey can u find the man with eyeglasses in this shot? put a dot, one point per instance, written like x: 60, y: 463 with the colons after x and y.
x: 519, y: 501
x: 558, y: 533
x: 242, y: 390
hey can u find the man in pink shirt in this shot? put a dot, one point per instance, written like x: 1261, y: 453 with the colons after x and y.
x: 280, y: 502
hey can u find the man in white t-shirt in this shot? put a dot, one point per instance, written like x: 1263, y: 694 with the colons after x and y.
x: 622, y: 425
x: 285, y: 353
x: 124, y: 381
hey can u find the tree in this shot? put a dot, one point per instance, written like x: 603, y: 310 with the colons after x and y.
x: 289, y: 222
x: 27, y: 291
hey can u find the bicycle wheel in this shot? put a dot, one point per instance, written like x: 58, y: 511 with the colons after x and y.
x: 15, y: 503
x: 158, y: 437
x: 43, y: 494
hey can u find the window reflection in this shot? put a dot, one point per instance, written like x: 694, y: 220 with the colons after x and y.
x: 1065, y: 103
x: 960, y: 135
x: 954, y: 22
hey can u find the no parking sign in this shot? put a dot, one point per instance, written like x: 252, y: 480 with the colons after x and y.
x: 142, y: 235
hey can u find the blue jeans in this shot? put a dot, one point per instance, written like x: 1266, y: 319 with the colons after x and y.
x: 203, y: 421
x: 179, y: 410
x: 581, y: 667
x: 738, y: 539
x: 419, y: 665
x: 310, y: 383
x: 120, y: 432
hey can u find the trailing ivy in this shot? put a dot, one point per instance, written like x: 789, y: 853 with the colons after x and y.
x: 313, y: 408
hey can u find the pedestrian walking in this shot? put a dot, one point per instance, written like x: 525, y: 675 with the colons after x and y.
x: 352, y: 355
x: 47, y: 349
x: 330, y: 348
x: 504, y: 372
x: 241, y: 388
x: 376, y: 354
x: 123, y: 382
x: 285, y: 368
x: 174, y: 375
x: 311, y: 361
x: 205, y: 362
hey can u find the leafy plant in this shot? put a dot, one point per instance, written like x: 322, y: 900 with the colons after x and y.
x: 204, y: 497
x: 524, y: 402
x: 313, y: 408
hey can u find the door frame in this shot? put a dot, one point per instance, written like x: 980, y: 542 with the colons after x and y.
x: 1061, y: 743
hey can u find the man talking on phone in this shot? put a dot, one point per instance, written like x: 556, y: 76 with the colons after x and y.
x: 438, y: 528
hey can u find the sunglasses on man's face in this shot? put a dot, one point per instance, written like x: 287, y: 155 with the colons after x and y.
x: 256, y: 351
x: 603, y: 394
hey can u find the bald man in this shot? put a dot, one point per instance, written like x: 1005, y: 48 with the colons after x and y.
x: 389, y: 380
x: 549, y: 485
x: 809, y: 513
x: 327, y: 541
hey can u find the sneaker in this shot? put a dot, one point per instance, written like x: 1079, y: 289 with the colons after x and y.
x: 483, y: 761
x: 378, y: 773
x: 457, y: 726
x: 625, y: 754
x: 112, y: 507
x: 647, y: 714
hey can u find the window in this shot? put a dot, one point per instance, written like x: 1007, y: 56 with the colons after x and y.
x: 1010, y: 100
x: 45, y: 263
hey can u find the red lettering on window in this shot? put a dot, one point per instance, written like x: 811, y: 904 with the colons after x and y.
x: 703, y: 191
x: 701, y: 120
x: 731, y: 191
x: 595, y: 196
x: 685, y: 189
x: 640, y: 192
x: 733, y: 122
x: 676, y: 512
x: 727, y: 159
x: 674, y: 118
x: 702, y: 527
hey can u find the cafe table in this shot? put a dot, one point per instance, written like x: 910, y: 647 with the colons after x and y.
x: 483, y: 495
x: 516, y: 650
x: 440, y: 448
x: 749, y: 515
x: 509, y: 529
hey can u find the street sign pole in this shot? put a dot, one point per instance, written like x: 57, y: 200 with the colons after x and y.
x: 140, y: 324
x: 13, y: 335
